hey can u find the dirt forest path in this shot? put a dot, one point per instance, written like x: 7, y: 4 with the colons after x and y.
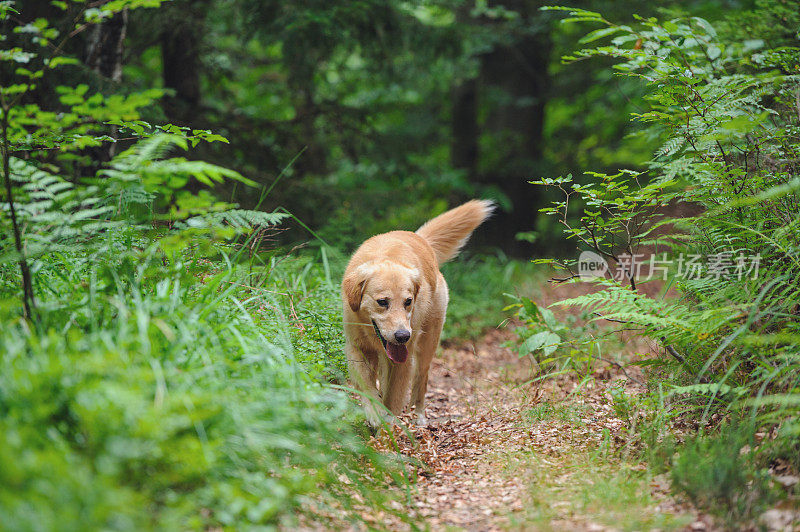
x: 503, y: 454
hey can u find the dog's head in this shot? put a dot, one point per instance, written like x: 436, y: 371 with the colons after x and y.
x: 384, y: 294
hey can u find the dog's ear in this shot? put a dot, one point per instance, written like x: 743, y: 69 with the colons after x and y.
x: 416, y: 280
x: 353, y: 290
x: 353, y: 286
x: 429, y: 274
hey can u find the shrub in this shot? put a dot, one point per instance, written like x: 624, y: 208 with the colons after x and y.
x: 724, y: 105
x: 477, y: 283
x: 175, y: 407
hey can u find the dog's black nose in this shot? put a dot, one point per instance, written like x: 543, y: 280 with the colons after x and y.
x: 402, y: 336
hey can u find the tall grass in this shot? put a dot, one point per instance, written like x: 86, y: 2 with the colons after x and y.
x: 157, y: 369
x: 167, y: 383
x: 165, y: 391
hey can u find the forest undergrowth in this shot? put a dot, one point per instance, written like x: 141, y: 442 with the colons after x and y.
x: 163, y: 365
x: 714, y: 293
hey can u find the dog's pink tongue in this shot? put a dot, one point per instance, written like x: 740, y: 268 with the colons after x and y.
x: 397, y: 352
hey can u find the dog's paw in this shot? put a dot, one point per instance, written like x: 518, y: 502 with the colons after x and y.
x: 422, y: 421
x: 373, y: 430
x: 377, y: 420
x: 374, y: 423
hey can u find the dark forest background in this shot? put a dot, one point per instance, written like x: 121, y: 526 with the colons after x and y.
x: 360, y: 117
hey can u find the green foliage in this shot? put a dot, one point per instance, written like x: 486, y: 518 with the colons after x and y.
x: 616, y: 215
x: 358, y: 101
x: 667, y: 320
x: 556, y: 346
x: 723, y: 102
x: 541, y: 332
x: 312, y: 304
x: 146, y: 164
x: 175, y: 393
x: 350, y: 93
x: 156, y: 370
x: 718, y: 472
x: 477, y: 284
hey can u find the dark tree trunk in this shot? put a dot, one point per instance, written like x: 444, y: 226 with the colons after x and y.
x: 104, y: 56
x: 465, y: 132
x: 104, y: 52
x: 464, y: 147
x: 515, y: 125
x: 180, y: 53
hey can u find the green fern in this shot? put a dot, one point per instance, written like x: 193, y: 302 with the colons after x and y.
x: 726, y: 116
x: 241, y: 220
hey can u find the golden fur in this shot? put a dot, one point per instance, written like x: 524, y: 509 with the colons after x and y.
x: 400, y: 270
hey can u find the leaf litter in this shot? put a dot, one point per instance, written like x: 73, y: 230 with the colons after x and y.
x: 487, y: 421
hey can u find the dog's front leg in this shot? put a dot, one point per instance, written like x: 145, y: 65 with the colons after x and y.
x: 362, y: 376
x: 418, y: 392
x: 394, y: 386
x: 427, y: 349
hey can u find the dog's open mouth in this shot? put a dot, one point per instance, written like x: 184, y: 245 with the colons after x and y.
x: 396, y: 352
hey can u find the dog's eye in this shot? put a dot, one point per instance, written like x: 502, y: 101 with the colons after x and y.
x: 408, y: 302
x: 383, y: 302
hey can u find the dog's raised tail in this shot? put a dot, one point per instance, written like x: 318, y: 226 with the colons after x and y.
x: 448, y: 232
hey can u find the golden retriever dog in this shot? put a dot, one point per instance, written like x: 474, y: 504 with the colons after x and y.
x: 395, y: 300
